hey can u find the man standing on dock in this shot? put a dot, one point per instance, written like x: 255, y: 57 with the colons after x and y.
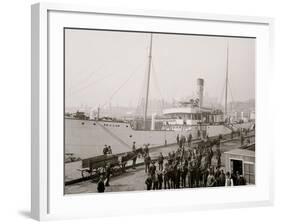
x: 189, y: 140
x: 107, y: 174
x: 178, y: 138
x: 105, y: 150
x: 160, y: 161
x: 135, y: 156
x: 147, y: 161
x: 100, y: 185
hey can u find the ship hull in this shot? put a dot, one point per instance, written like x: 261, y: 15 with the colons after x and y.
x: 86, y: 138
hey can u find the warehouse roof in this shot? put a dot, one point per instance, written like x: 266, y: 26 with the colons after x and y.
x: 241, y: 152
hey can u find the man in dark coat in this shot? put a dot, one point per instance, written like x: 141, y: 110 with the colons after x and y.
x: 218, y: 157
x: 107, y: 174
x: 100, y: 185
x: 222, y: 178
x: 160, y: 179
x: 146, y: 149
x: 211, y: 180
x: 148, y: 182
x: 109, y: 150
x: 152, y: 169
x: 184, y: 170
x: 177, y: 176
x: 160, y: 161
x: 234, y: 178
x: 203, y: 170
x: 189, y: 140
x: 166, y: 177
x: 135, y: 157
x: 241, y: 180
x: 105, y: 150
x: 217, y: 175
x: 147, y: 161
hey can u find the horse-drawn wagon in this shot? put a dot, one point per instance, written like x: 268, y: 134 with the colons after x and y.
x: 117, y: 162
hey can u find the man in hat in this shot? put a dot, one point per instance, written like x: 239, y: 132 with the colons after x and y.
x: 160, y: 179
x: 147, y: 161
x: 152, y: 169
x: 148, y: 182
x: 160, y: 161
x: 146, y: 149
x: 105, y: 150
x: 109, y: 150
x: 135, y: 155
x: 107, y: 174
x: 189, y: 139
x: 100, y: 185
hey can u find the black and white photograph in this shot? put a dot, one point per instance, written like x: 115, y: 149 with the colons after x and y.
x: 151, y: 111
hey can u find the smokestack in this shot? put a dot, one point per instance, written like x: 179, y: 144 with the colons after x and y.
x: 200, y: 91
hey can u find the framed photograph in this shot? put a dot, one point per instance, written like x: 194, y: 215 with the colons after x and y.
x: 165, y: 111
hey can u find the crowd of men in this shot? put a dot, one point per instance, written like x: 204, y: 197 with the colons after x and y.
x: 189, y: 166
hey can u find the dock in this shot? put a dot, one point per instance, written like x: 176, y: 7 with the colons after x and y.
x: 133, y: 180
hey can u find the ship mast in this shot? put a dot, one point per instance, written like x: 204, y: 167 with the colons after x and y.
x: 147, y: 83
x: 226, y: 84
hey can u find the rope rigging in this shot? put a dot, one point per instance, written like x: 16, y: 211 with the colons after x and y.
x: 121, y: 86
x: 94, y: 82
x: 154, y: 75
x: 141, y: 96
x: 87, y: 82
x: 222, y: 94
x: 232, y: 98
x: 84, y: 81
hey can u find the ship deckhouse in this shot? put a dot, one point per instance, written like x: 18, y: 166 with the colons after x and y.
x: 187, y: 114
x: 191, y: 113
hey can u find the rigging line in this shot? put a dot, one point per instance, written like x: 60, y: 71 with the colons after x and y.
x: 231, y: 93
x: 87, y: 78
x: 230, y: 89
x: 154, y: 74
x: 93, y: 82
x: 84, y: 84
x: 222, y: 93
x: 120, y: 87
x: 141, y: 94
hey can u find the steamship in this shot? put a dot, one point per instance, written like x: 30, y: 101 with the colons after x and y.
x: 85, y: 137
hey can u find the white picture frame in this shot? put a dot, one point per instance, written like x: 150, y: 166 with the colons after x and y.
x: 47, y: 198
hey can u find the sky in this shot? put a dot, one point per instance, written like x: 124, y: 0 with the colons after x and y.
x: 110, y: 67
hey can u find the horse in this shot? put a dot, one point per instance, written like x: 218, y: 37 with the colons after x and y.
x: 124, y: 158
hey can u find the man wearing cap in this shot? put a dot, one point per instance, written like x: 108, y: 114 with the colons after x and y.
x: 105, y: 150
x: 135, y: 156
x: 107, y: 174
x: 100, y: 185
